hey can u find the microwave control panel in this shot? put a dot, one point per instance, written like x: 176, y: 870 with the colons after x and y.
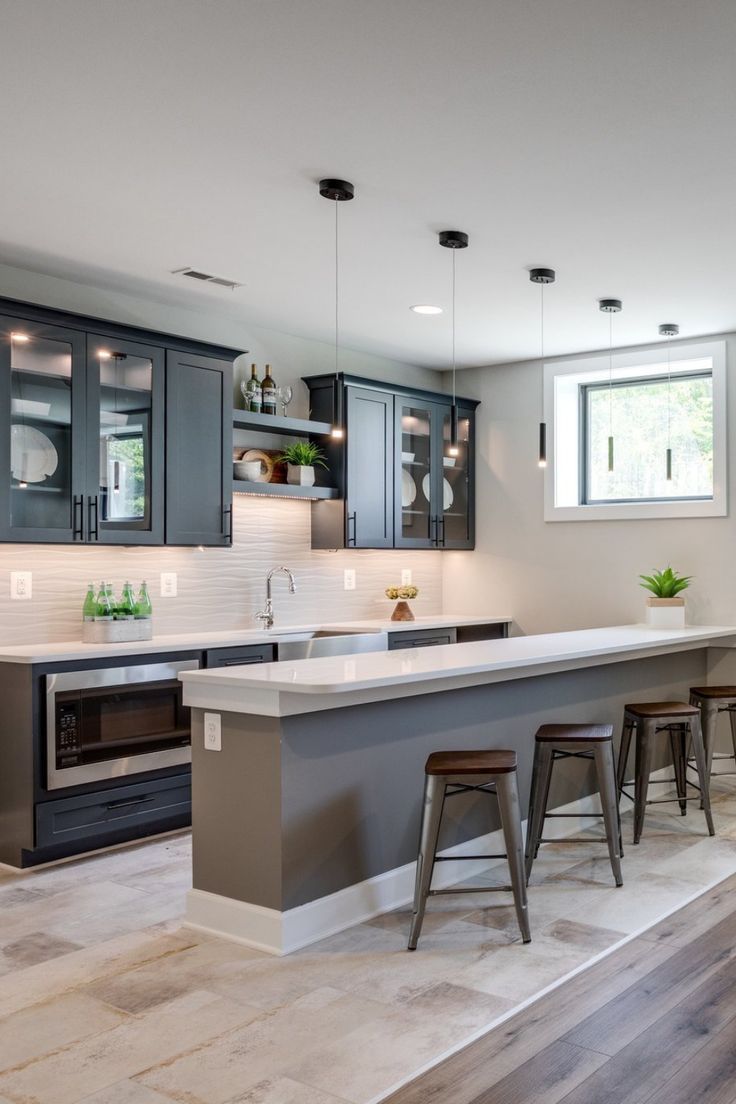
x: 68, y: 748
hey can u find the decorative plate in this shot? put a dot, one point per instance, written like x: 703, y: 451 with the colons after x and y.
x: 32, y: 456
x: 447, y: 496
x: 408, y: 489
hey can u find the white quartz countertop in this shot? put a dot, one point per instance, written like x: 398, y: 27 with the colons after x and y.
x: 196, y: 641
x: 280, y: 689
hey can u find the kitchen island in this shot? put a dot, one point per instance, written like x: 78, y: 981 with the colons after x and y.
x: 306, y: 800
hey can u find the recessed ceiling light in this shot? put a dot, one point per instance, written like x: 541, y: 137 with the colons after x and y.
x: 426, y: 308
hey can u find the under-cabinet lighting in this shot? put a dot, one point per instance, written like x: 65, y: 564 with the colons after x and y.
x: 104, y: 354
x: 261, y: 494
x: 21, y: 337
x: 425, y: 308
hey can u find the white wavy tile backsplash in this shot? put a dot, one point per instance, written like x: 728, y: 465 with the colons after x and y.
x: 217, y: 588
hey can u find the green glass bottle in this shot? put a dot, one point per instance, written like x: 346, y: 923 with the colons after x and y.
x: 89, y: 609
x: 127, y: 607
x: 252, y: 392
x: 112, y: 601
x: 143, y: 609
x: 103, y: 608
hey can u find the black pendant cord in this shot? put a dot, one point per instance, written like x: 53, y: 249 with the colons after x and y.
x: 610, y: 392
x: 453, y: 328
x: 542, y: 459
x: 337, y: 292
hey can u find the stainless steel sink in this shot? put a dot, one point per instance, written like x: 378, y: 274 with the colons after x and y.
x: 326, y: 642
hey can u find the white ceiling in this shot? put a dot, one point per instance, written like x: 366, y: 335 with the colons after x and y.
x: 592, y: 136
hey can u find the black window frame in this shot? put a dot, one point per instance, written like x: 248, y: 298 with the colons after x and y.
x: 584, y: 443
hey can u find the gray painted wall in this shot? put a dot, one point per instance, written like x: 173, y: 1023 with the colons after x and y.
x: 570, y: 575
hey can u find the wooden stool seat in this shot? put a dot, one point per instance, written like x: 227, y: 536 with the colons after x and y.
x: 456, y: 773
x: 714, y: 691
x: 471, y: 762
x: 661, y: 709
x: 682, y: 722
x: 574, y: 741
x: 572, y: 733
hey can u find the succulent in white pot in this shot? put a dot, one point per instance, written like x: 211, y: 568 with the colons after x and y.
x: 300, y: 459
x: 665, y: 604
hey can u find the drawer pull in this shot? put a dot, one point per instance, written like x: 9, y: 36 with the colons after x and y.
x: 142, y: 800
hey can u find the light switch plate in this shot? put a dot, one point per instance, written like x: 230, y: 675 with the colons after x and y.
x: 406, y: 576
x: 212, y: 732
x: 349, y: 578
x: 21, y: 586
x: 168, y: 584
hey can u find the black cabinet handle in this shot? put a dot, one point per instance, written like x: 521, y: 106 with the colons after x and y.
x: 142, y: 800
x: 441, y: 531
x: 352, y: 540
x: 433, y: 530
x: 92, y: 533
x: 78, y: 517
x: 227, y: 524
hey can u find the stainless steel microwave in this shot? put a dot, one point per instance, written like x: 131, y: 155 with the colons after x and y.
x: 115, y: 722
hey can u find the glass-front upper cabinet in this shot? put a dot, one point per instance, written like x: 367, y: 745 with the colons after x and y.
x: 417, y: 431
x: 455, y: 495
x: 42, y: 428
x: 125, y: 449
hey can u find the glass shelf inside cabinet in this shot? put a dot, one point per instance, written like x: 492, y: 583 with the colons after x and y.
x: 40, y: 432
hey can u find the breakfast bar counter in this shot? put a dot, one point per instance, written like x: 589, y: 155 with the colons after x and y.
x: 307, y: 782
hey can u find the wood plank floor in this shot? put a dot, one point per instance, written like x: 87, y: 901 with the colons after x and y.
x: 654, y: 1022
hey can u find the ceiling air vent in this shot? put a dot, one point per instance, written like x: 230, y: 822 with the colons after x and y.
x: 205, y: 277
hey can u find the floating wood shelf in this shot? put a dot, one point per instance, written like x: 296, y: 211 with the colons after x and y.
x: 274, y: 423
x: 283, y: 490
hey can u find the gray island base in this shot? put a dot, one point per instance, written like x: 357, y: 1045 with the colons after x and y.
x: 307, y: 819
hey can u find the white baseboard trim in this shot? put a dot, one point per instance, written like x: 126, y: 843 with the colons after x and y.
x: 281, y: 933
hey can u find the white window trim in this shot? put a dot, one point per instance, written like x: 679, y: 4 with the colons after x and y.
x: 623, y: 364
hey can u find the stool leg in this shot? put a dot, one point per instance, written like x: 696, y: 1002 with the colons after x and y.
x: 709, y: 723
x: 644, y: 733
x: 605, y: 771
x: 509, y: 808
x: 541, y: 775
x: 699, y: 753
x: 434, y: 799
x: 623, y: 752
x: 678, y: 746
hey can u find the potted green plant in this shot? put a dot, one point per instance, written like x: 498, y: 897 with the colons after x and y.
x: 402, y: 609
x: 300, y: 459
x: 665, y: 604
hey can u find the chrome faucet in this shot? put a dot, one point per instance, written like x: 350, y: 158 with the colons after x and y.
x: 266, y: 614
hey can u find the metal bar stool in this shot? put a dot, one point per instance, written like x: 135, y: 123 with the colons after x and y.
x: 574, y: 741
x: 681, y: 721
x: 712, y: 700
x: 448, y: 773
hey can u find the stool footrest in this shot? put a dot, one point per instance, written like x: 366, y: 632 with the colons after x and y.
x: 565, y: 816
x: 456, y: 858
x: 575, y: 839
x: 472, y: 889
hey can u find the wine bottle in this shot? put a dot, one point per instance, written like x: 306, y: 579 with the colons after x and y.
x: 268, y: 388
x: 143, y: 608
x: 103, y: 607
x: 252, y: 392
x: 89, y: 609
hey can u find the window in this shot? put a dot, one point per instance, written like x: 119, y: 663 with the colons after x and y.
x: 645, y: 416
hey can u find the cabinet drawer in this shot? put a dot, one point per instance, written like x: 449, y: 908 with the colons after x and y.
x: 422, y: 638
x: 234, y: 657
x: 87, y: 816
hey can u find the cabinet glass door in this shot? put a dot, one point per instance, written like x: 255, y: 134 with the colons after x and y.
x: 455, y: 493
x: 41, y: 430
x: 416, y: 521
x: 126, y: 441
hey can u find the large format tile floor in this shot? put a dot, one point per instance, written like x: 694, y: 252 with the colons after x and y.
x: 106, y: 998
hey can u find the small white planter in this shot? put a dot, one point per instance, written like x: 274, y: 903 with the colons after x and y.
x: 300, y: 475
x: 666, y: 613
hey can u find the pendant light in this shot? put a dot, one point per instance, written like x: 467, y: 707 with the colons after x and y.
x: 610, y: 307
x: 339, y: 191
x: 542, y: 276
x: 669, y: 330
x: 453, y: 240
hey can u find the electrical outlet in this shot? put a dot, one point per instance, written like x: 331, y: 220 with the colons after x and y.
x: 349, y: 577
x: 212, y: 732
x: 168, y: 584
x: 21, y: 585
x: 406, y: 576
